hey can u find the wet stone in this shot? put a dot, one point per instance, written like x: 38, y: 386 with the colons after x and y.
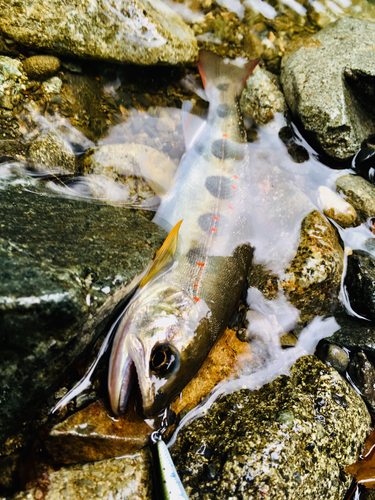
x: 93, y: 434
x: 313, y: 278
x: 49, y: 151
x: 262, y: 97
x: 313, y: 83
x: 333, y: 355
x: 362, y: 373
x: 133, y: 31
x: 121, y: 478
x: 291, y: 439
x: 360, y: 283
x: 41, y: 67
x: 66, y: 268
x: 359, y: 193
x: 337, y: 208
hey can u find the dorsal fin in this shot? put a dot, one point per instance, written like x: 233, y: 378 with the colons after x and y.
x: 164, y: 255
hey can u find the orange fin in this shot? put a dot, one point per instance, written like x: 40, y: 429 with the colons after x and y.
x: 164, y: 255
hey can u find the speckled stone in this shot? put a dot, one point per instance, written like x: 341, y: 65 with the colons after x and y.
x: 313, y: 278
x: 359, y: 193
x: 41, y: 67
x: 290, y: 439
x: 126, y: 478
x: 49, y: 151
x: 66, y: 267
x: 337, y: 208
x: 333, y: 355
x: 12, y: 82
x: 360, y: 283
x: 354, y: 334
x: 313, y: 83
x: 362, y: 373
x: 136, y: 31
x: 262, y: 97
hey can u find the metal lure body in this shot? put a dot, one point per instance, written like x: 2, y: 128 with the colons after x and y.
x: 174, y: 319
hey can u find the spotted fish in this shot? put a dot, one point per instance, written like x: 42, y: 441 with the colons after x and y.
x: 192, y: 289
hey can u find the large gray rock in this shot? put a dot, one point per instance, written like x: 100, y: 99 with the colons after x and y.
x: 66, y: 266
x: 325, y: 80
x: 290, y: 439
x: 136, y: 31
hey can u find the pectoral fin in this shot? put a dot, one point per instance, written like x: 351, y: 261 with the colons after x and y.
x: 164, y: 255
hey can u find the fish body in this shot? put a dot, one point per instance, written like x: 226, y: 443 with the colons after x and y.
x: 174, y: 320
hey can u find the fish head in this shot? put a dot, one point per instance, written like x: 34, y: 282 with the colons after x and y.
x: 164, y: 336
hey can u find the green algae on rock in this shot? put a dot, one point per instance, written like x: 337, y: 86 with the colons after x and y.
x: 136, y: 31
x: 313, y: 79
x: 121, y: 478
x: 66, y: 266
x: 289, y: 439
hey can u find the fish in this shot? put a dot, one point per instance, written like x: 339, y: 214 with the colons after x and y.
x: 188, y: 296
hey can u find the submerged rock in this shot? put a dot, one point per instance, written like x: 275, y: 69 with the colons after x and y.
x: 134, y: 31
x: 121, y: 478
x: 290, y: 439
x: 360, y: 283
x: 333, y: 355
x: 359, y: 193
x: 66, y: 267
x: 262, y: 97
x: 313, y: 79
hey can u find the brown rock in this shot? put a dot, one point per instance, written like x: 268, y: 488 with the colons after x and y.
x: 41, y: 67
x: 94, y: 434
x: 225, y: 358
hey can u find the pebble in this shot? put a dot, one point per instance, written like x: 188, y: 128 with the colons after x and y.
x: 359, y: 193
x: 41, y: 67
x: 336, y: 208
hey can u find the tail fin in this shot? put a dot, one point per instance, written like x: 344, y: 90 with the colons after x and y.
x: 215, y: 71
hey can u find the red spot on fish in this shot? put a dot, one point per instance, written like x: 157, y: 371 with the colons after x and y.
x: 197, y: 299
x: 213, y: 230
x: 195, y: 285
x: 225, y: 135
x: 234, y: 187
x: 200, y: 264
x: 230, y: 207
x: 235, y: 176
x: 215, y: 218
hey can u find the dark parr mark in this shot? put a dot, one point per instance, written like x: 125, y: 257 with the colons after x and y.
x: 223, y: 110
x: 224, y: 149
x: 199, y: 148
x: 209, y: 223
x: 219, y: 186
x: 223, y: 86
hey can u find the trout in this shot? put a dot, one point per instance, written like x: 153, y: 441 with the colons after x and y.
x: 185, y: 302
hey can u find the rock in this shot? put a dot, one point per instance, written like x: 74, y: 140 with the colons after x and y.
x: 313, y: 80
x: 49, y: 151
x: 262, y: 97
x: 359, y: 193
x: 41, y: 67
x: 66, y: 268
x: 313, y: 278
x: 224, y: 360
x: 336, y: 207
x: 136, y: 166
x: 289, y: 439
x: 134, y: 31
x: 362, y: 373
x: 333, y: 355
x: 12, y: 81
x: 360, y: 283
x: 52, y: 86
x: 93, y: 434
x: 120, y: 478
x: 354, y: 334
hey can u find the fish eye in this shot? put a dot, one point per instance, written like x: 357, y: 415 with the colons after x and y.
x: 164, y: 359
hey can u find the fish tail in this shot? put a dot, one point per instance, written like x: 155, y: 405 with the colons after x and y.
x: 230, y: 74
